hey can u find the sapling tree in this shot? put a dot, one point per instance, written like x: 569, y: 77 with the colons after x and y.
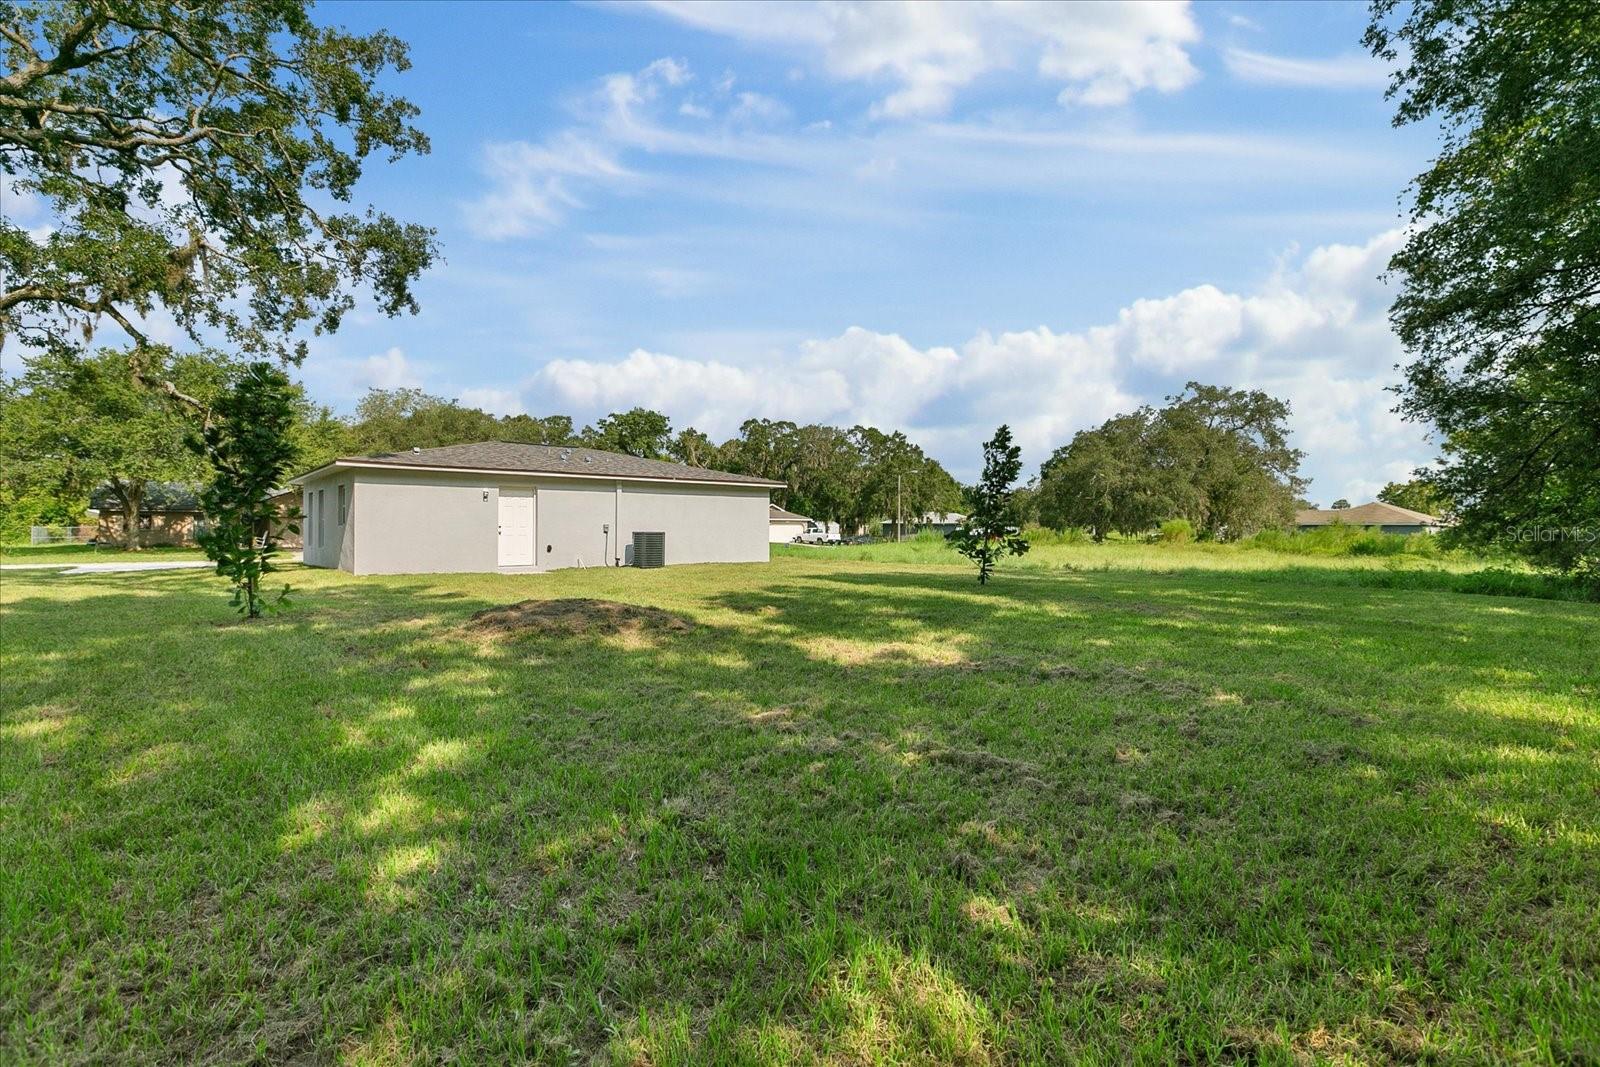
x: 990, y: 531
x: 249, y: 442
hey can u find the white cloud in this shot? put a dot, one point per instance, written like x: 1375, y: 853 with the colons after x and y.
x: 1314, y: 333
x: 628, y: 128
x: 756, y: 107
x: 534, y: 185
x: 676, y: 282
x: 494, y: 401
x: 1352, y: 71
x: 531, y: 184
x: 1101, y: 53
x: 342, y: 379
x: 388, y: 370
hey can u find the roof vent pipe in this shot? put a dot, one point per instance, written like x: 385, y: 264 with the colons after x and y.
x: 415, y: 451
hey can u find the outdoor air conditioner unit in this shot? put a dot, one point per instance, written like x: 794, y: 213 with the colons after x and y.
x: 649, y: 549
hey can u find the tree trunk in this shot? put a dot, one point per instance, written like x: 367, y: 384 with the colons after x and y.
x: 131, y: 494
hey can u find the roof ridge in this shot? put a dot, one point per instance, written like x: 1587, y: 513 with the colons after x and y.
x: 522, y: 457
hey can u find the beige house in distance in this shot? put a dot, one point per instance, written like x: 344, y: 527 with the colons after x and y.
x: 1386, y: 517
x: 512, y: 508
x: 785, y: 526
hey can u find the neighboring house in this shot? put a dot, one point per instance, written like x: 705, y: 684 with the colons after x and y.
x: 940, y: 522
x: 784, y: 526
x: 516, y: 508
x: 169, y: 514
x: 1386, y: 517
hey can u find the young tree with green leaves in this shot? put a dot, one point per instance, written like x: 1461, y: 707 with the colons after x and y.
x: 990, y: 531
x: 1499, y: 302
x: 250, y: 445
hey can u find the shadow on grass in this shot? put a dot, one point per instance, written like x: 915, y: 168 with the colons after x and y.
x: 862, y: 813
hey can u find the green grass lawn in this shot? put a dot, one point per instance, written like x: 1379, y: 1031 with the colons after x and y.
x: 1172, y: 807
x: 70, y: 555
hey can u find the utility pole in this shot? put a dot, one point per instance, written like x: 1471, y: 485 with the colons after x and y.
x: 899, y: 522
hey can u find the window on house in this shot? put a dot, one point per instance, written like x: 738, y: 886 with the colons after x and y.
x: 341, y: 504
x: 322, y: 507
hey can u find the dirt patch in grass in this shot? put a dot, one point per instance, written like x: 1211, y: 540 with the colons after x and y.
x: 574, y: 617
x: 1115, y: 678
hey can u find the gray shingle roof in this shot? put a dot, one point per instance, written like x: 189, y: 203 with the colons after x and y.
x: 158, y: 497
x: 1376, y: 513
x: 777, y: 514
x: 553, y: 459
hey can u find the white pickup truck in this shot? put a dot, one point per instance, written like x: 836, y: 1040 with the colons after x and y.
x: 816, y: 533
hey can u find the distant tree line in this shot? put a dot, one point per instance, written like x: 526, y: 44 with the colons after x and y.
x: 848, y: 476
x: 69, y: 425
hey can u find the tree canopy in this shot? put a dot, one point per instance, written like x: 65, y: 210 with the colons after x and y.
x: 71, y: 425
x: 636, y: 432
x: 1499, y: 300
x: 393, y: 420
x: 1417, y: 495
x: 199, y: 160
x: 1216, y: 456
x: 1106, y: 480
x: 846, y: 476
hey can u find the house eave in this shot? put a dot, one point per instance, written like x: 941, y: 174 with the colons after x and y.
x: 357, y: 464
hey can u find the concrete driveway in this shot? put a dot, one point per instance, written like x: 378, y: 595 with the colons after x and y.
x: 108, y: 568
x: 117, y: 568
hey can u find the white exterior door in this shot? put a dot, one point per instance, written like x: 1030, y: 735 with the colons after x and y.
x: 516, y: 527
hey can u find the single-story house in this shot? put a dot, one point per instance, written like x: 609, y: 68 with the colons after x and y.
x: 940, y: 522
x: 1386, y: 517
x: 496, y: 506
x: 784, y: 526
x: 169, y: 514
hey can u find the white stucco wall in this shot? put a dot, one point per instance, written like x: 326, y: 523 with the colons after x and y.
x: 426, y: 522
x: 414, y: 522
x: 569, y: 520
x: 703, y: 524
x: 326, y: 542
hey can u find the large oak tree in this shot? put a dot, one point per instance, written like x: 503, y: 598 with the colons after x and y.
x: 197, y: 159
x: 1499, y: 304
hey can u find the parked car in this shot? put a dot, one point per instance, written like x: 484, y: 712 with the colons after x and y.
x: 816, y: 533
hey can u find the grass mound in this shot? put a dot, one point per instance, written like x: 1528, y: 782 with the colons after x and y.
x: 573, y: 617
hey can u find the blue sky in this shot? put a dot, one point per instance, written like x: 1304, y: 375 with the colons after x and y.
x: 928, y: 218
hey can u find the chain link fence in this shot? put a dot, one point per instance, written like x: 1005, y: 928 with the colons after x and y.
x: 62, y: 535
